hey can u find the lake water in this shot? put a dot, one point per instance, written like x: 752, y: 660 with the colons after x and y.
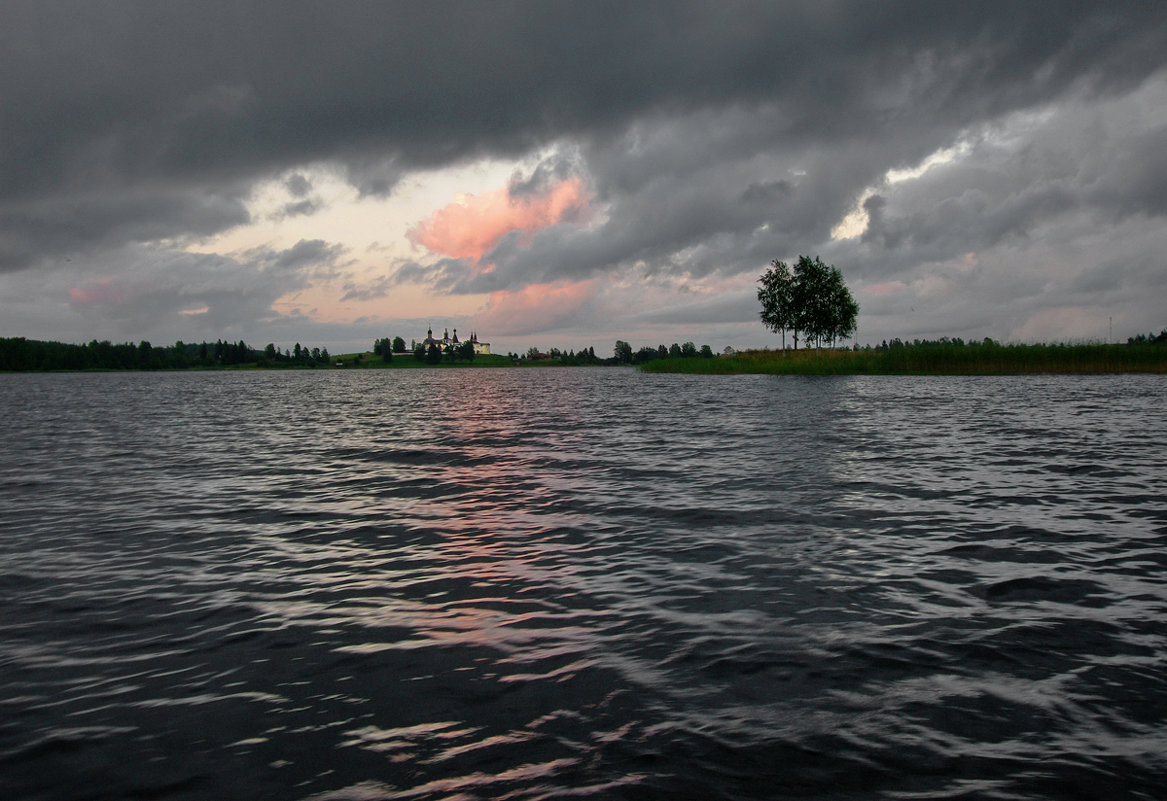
x: 565, y: 583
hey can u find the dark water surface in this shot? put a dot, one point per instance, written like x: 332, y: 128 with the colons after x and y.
x: 530, y: 584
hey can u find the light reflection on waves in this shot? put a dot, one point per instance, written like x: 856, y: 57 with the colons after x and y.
x: 476, y: 583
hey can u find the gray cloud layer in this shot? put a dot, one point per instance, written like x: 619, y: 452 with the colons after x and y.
x: 715, y: 136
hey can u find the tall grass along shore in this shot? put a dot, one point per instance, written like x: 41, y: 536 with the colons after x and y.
x: 931, y: 359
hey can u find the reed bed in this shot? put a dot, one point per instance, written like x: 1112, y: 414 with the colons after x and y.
x: 931, y: 359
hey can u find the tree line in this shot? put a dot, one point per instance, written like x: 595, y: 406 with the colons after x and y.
x: 295, y: 356
x: 810, y: 299
x: 624, y: 354
x: 386, y: 347
x: 20, y: 354
x: 570, y: 357
x: 1149, y: 339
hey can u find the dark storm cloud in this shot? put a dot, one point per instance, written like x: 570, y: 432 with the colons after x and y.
x: 298, y: 185
x: 302, y: 208
x: 197, y: 100
x: 1069, y: 172
x: 1137, y: 184
x: 688, y: 215
x: 354, y: 291
x: 734, y: 307
x: 443, y: 273
x: 544, y: 176
x: 313, y: 255
x: 55, y: 225
x: 141, y: 287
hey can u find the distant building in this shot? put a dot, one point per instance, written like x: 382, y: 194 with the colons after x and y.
x: 447, y: 342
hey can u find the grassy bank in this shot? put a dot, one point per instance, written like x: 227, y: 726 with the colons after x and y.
x: 408, y: 362
x: 931, y: 359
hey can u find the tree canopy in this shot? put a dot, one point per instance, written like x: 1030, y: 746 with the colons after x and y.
x: 384, y: 348
x: 811, y: 300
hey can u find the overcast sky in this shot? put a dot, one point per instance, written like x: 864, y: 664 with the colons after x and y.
x: 569, y: 174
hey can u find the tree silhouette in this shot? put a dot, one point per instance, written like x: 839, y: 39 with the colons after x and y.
x: 811, y: 299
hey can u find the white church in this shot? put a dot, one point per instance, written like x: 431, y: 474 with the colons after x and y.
x: 447, y: 342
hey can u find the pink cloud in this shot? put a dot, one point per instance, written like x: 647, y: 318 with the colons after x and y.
x: 889, y: 288
x: 101, y: 290
x: 534, y: 308
x: 467, y: 229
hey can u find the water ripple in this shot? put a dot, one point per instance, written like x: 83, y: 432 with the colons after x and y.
x: 583, y: 582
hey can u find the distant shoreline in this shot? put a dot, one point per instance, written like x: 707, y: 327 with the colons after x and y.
x: 914, y: 358
x: 932, y: 359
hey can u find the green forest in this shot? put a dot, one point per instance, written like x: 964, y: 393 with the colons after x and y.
x: 1141, y: 353
x: 20, y: 354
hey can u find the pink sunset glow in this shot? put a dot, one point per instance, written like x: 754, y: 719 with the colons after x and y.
x: 533, y: 308
x: 889, y: 288
x: 469, y: 228
x: 101, y: 290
